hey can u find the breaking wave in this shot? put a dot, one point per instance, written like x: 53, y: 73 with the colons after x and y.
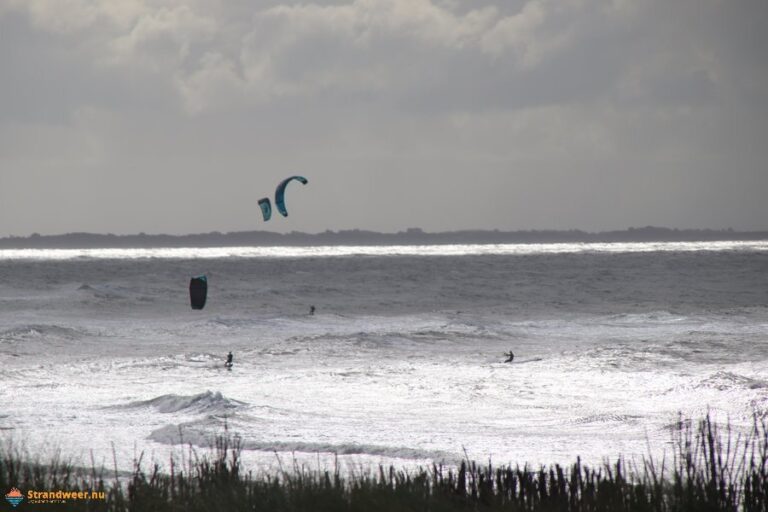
x: 41, y: 331
x: 207, y: 402
x: 608, y: 418
x: 197, y: 434
x: 724, y: 381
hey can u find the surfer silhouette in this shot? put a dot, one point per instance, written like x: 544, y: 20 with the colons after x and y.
x: 510, y: 357
x: 229, y: 360
x: 311, y: 310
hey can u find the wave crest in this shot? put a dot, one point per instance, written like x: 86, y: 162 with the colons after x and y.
x: 40, y: 331
x: 199, y: 434
x: 724, y: 381
x: 207, y: 402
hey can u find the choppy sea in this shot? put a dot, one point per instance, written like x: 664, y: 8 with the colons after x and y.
x: 402, y: 362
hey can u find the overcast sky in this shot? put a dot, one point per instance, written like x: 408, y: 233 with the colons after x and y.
x: 172, y: 116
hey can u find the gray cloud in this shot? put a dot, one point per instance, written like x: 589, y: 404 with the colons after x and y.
x: 126, y: 116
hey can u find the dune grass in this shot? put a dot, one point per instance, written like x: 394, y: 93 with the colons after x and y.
x: 710, y: 469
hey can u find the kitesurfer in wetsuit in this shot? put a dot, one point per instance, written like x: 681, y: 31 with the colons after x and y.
x: 311, y: 310
x: 229, y: 359
x: 510, y: 357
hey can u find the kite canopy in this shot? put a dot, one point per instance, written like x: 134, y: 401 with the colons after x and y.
x: 280, y: 193
x: 266, y: 208
x: 198, y: 290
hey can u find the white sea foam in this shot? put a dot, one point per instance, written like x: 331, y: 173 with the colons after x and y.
x: 378, y: 250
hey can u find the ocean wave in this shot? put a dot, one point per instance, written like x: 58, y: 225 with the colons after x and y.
x: 643, y: 319
x: 724, y: 381
x: 607, y: 418
x: 230, y: 323
x: 401, y: 452
x: 41, y: 331
x: 207, y: 402
x: 110, y: 293
x: 379, y: 338
x: 198, y: 434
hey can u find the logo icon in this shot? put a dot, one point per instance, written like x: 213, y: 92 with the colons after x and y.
x: 14, y: 497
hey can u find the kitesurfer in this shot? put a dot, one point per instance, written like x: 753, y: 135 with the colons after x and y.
x: 311, y: 310
x: 229, y: 359
x: 510, y: 357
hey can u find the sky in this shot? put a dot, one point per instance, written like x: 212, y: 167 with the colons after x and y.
x: 128, y: 116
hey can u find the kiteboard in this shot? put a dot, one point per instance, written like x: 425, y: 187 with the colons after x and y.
x: 521, y: 361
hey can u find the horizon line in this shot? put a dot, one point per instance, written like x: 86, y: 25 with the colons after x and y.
x: 405, y: 231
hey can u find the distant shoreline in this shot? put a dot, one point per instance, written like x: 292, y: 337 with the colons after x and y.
x: 412, y: 236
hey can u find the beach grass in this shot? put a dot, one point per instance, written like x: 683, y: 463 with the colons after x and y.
x: 710, y: 469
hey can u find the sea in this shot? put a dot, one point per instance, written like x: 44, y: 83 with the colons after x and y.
x: 103, y: 362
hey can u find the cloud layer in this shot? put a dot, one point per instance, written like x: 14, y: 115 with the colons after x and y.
x: 127, y: 116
